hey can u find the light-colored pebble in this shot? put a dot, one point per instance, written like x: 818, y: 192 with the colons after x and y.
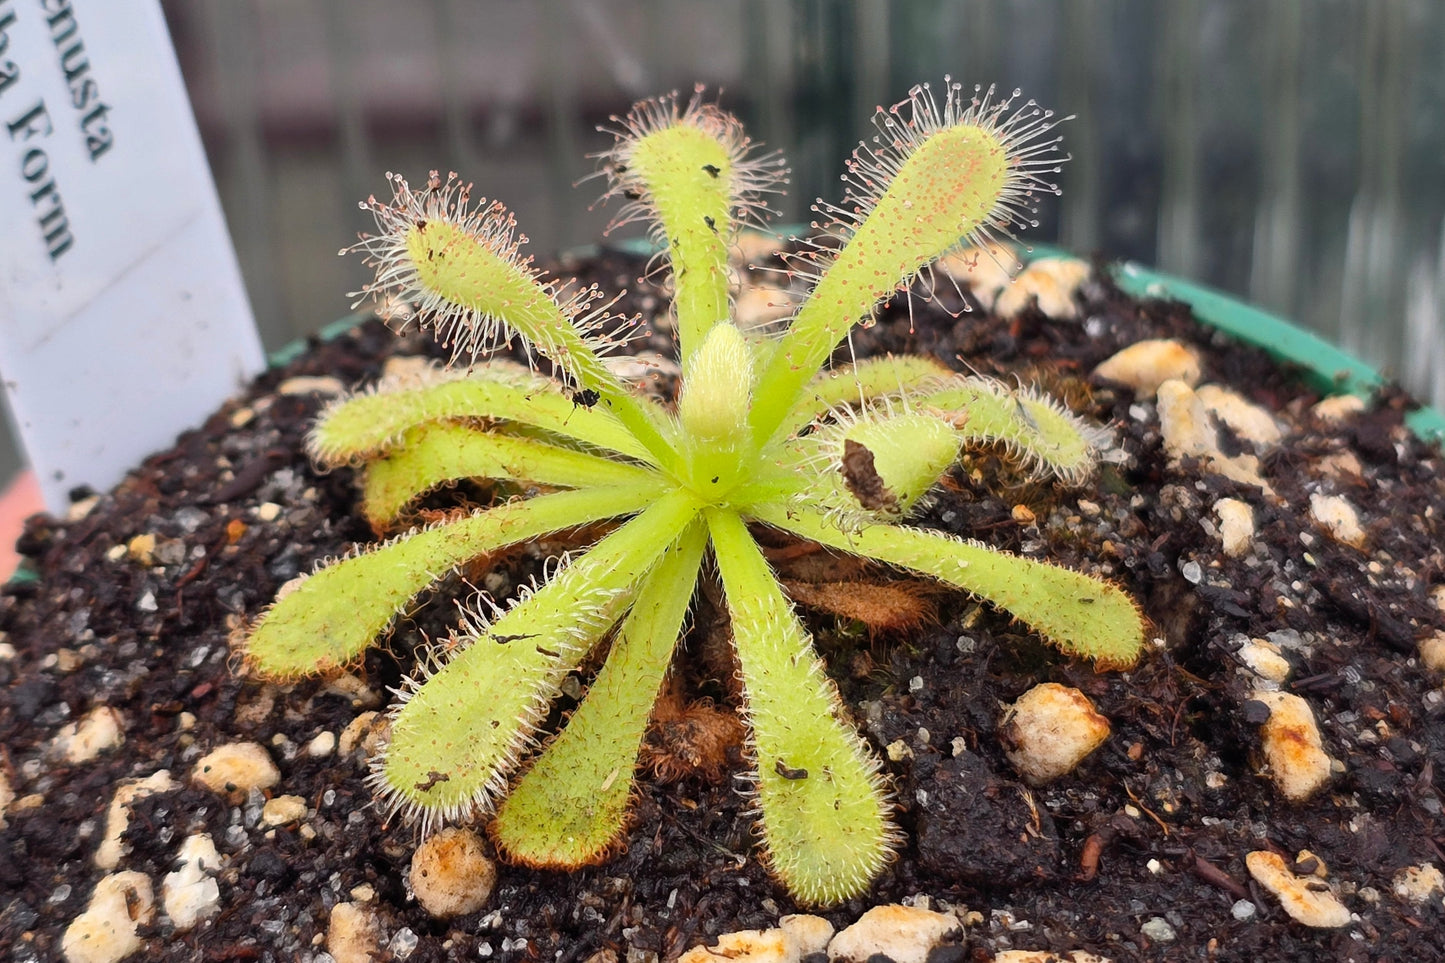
x: 106, y: 931
x: 1337, y: 408
x: 351, y: 686
x: 985, y: 270
x: 254, y: 706
x: 79, y: 510
x: 1050, y: 282
x: 403, y: 943
x: 366, y: 732
x: 117, y: 819
x: 190, y: 893
x: 7, y: 796
x: 1419, y: 884
x: 1432, y: 651
x: 352, y: 935
x: 795, y: 937
x: 750, y: 246
x: 758, y: 304
x: 1341, y: 464
x: 1293, y: 750
x: 282, y: 810
x: 643, y: 367
x: 1145, y: 365
x: 1157, y: 928
x: 1049, y: 731
x: 242, y: 416
x: 1242, y: 468
x: 808, y: 934
x: 1437, y: 595
x: 99, y: 730
x: 311, y: 385
x: 1183, y: 422
x: 451, y: 874
x: 268, y: 512
x: 745, y: 946
x: 28, y: 803
x: 237, y: 767
x: 1045, y: 956
x: 171, y: 551
x: 1187, y: 432
x: 1245, y: 418
x: 1264, y: 659
x: 1307, y: 863
x: 142, y: 549
x: 906, y: 934
x: 322, y: 745
x: 1338, y: 517
x: 1236, y: 526
x: 409, y: 368
x: 1306, y: 899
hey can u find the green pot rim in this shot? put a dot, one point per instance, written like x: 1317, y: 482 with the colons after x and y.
x: 1325, y: 367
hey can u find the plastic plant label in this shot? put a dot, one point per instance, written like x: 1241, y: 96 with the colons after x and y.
x: 123, y: 319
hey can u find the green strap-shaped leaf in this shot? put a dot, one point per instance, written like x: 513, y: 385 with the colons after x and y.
x: 570, y: 808
x: 1079, y: 614
x: 860, y: 383
x: 1030, y: 426
x: 371, y: 423
x: 463, y: 729
x: 331, y: 618
x: 440, y: 452
x: 822, y: 810
x: 942, y: 188
x: 487, y: 283
x: 687, y: 175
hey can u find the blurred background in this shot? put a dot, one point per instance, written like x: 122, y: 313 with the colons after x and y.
x: 1289, y: 151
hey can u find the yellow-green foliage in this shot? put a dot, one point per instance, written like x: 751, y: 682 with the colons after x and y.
x: 758, y: 436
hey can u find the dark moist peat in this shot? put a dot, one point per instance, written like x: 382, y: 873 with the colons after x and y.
x: 1137, y: 832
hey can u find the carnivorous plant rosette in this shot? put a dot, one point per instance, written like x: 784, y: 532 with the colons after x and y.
x: 760, y: 435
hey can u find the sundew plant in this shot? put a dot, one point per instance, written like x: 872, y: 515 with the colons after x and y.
x: 760, y: 436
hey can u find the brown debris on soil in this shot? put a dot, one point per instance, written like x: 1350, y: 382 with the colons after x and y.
x: 1138, y: 855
